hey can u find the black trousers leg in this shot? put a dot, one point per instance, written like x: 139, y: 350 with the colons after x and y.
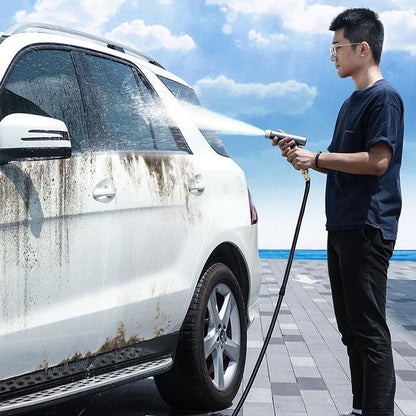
x: 358, y: 261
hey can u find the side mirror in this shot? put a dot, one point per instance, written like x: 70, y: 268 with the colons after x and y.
x: 28, y: 136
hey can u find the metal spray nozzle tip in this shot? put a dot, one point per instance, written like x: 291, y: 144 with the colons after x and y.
x: 267, y: 134
x: 271, y: 134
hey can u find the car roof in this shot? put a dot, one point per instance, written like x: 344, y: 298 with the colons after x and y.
x: 79, y: 38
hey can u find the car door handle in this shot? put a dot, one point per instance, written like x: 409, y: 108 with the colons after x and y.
x: 196, y: 185
x: 104, y: 191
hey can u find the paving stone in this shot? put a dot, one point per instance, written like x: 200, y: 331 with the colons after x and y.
x: 260, y: 395
x: 285, y: 389
x: 303, y: 361
x: 289, y: 405
x: 256, y: 409
x: 309, y: 383
x: 306, y: 372
x: 407, y: 375
x: 408, y: 407
x: 275, y: 340
x: 293, y: 338
x: 404, y: 349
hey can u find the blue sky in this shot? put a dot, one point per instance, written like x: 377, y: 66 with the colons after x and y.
x: 264, y: 62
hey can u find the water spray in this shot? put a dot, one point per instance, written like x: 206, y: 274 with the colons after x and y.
x: 209, y: 120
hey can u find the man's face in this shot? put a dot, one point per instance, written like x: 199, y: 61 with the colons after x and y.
x: 347, y: 57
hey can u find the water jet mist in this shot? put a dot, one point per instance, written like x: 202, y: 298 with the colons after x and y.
x: 209, y: 120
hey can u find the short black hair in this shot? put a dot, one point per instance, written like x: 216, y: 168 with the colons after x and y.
x: 361, y: 24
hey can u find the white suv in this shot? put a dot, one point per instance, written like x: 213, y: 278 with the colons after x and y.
x: 128, y: 241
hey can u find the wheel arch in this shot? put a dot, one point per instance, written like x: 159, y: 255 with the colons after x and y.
x: 228, y: 254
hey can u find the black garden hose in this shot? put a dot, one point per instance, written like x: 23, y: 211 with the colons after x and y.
x: 282, y: 292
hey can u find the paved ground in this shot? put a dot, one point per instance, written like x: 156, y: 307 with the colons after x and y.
x: 305, y: 371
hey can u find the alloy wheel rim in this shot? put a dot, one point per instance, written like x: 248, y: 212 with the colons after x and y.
x: 222, y: 336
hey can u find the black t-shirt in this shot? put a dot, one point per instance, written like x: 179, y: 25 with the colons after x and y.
x: 367, y: 117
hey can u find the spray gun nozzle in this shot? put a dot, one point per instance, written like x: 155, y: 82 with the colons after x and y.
x: 271, y: 134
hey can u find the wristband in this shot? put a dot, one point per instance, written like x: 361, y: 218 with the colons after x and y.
x: 316, y: 159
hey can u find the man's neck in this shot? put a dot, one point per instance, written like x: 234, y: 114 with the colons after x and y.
x: 367, y: 77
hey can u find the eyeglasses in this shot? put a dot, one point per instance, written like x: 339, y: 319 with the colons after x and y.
x: 333, y: 48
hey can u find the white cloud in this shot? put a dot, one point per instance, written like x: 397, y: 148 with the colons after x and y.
x: 258, y: 39
x: 314, y: 18
x: 296, y: 15
x: 227, y: 29
x: 91, y: 16
x: 403, y: 4
x: 261, y: 40
x: 87, y: 15
x: 255, y: 6
x: 400, y: 29
x: 150, y: 37
x: 234, y: 99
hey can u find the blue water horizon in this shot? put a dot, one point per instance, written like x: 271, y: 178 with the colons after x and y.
x: 398, y: 255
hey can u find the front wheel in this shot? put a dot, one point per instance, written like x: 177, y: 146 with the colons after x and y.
x: 211, y: 352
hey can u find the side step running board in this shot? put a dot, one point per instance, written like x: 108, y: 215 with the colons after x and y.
x: 135, y: 372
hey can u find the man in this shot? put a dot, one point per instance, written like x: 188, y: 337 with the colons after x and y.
x: 363, y: 203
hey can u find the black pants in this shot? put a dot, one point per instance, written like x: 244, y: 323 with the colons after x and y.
x: 358, y: 261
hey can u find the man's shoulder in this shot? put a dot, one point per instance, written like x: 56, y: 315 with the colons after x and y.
x: 384, y: 88
x: 382, y: 93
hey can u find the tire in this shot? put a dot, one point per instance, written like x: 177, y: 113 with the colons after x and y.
x: 211, y: 352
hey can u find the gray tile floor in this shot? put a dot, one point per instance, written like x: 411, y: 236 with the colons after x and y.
x: 305, y: 371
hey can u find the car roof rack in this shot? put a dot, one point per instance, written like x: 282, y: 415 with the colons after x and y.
x: 44, y: 27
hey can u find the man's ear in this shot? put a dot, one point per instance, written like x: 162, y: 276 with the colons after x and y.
x: 365, y: 48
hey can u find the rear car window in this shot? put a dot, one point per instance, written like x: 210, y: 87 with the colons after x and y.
x: 188, y: 95
x: 124, y: 109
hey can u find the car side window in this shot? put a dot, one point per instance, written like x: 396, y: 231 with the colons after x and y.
x: 43, y: 82
x: 126, y: 116
x: 186, y: 94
